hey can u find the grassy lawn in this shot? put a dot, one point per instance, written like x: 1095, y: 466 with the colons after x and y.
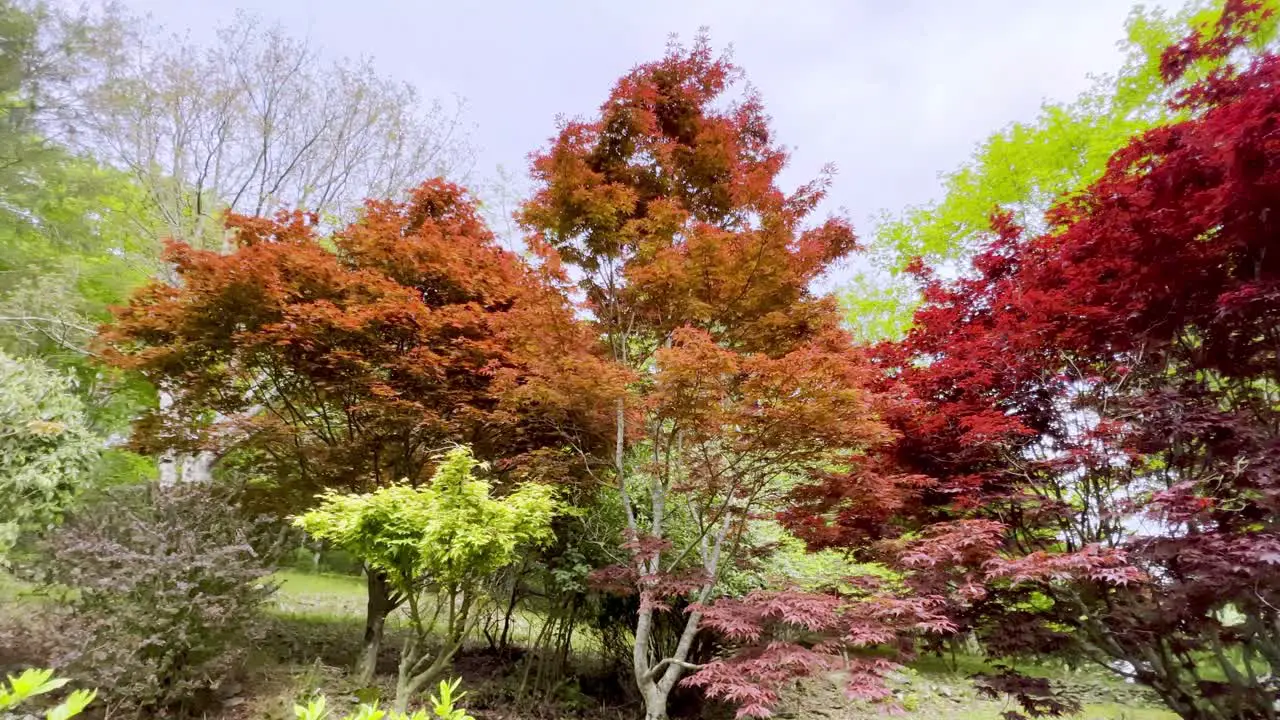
x: 337, y: 597
x: 314, y: 598
x: 297, y: 583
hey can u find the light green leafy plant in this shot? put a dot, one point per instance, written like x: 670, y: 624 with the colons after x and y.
x: 437, y: 545
x: 442, y: 704
x: 442, y: 708
x: 35, y: 682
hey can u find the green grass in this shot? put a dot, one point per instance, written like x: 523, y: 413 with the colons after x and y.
x: 318, y: 596
x: 332, y: 596
x: 302, y: 584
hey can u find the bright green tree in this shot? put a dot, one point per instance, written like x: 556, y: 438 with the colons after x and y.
x: 46, y: 447
x: 75, y: 236
x: 68, y: 251
x: 1024, y: 167
x: 437, y: 545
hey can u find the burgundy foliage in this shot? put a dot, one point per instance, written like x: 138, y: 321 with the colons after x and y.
x: 784, y: 635
x: 1090, y: 419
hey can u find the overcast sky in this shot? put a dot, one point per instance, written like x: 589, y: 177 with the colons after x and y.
x: 891, y: 91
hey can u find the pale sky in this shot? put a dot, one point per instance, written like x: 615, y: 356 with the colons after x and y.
x: 892, y: 92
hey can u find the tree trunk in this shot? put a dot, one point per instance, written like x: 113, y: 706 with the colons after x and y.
x: 409, y: 682
x: 655, y: 703
x: 380, y: 604
x: 655, y: 679
x: 411, y: 678
x: 653, y: 684
x: 504, y: 640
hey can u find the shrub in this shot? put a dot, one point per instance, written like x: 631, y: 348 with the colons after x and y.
x: 46, y: 447
x: 166, y: 588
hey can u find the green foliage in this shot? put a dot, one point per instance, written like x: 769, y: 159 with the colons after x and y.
x: 1028, y: 165
x: 74, y: 235
x: 117, y: 466
x: 443, y: 703
x: 450, y: 535
x: 442, y: 708
x: 69, y: 249
x: 74, y: 242
x: 33, y: 682
x: 877, y: 308
x: 450, y: 532
x: 46, y: 447
x: 789, y: 563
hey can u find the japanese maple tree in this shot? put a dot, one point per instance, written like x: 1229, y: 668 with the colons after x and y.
x: 345, y: 362
x: 1089, y: 425
x: 695, y: 268
x: 438, y: 544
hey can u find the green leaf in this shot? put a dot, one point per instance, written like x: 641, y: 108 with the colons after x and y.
x: 72, y: 706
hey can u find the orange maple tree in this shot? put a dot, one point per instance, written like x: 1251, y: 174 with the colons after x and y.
x: 696, y: 270
x: 348, y: 362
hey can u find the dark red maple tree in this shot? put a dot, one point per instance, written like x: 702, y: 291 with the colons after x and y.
x: 348, y: 361
x: 1090, y: 432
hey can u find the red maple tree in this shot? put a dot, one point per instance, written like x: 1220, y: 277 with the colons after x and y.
x: 1089, y: 426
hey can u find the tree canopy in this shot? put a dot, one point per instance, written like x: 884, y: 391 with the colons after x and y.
x: 696, y: 267
x: 346, y: 361
x: 449, y: 532
x: 450, y: 536
x: 1026, y: 167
